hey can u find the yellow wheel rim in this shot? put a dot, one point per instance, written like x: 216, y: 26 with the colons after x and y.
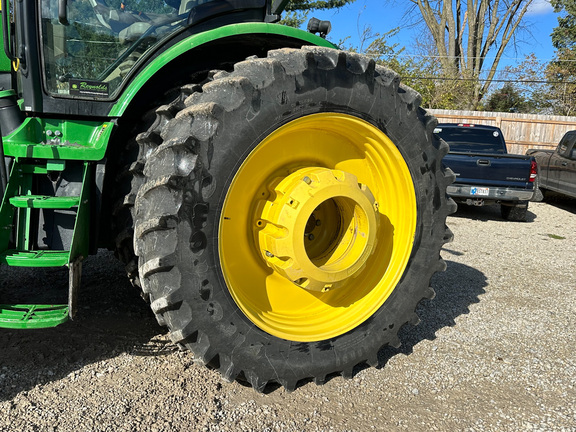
x: 317, y: 227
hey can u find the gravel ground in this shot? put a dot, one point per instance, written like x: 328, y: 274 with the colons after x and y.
x: 494, y: 351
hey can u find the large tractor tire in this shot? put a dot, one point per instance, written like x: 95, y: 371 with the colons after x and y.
x: 292, y: 216
x: 129, y: 165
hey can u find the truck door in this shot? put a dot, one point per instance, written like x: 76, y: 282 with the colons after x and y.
x: 558, y: 161
x: 567, y: 168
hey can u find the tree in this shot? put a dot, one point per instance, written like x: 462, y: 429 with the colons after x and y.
x: 508, y: 99
x: 564, y: 36
x: 418, y: 74
x: 531, y: 82
x: 465, y: 33
x: 561, y: 72
x: 297, y: 10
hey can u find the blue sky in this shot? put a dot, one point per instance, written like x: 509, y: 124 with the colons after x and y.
x: 383, y: 16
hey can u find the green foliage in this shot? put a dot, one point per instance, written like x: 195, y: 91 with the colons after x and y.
x: 562, y: 79
x: 564, y: 36
x: 294, y: 18
x: 299, y: 5
x: 531, y: 83
x: 561, y: 72
x: 297, y: 11
x: 508, y: 99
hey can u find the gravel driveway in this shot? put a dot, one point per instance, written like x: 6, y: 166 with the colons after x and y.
x: 496, y: 351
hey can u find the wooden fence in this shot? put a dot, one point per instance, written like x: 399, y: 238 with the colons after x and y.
x: 521, y: 131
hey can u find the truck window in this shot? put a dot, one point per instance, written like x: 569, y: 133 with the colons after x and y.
x: 568, y: 140
x: 471, y: 140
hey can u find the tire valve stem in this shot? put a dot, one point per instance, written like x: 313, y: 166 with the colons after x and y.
x: 269, y: 254
x: 307, y: 180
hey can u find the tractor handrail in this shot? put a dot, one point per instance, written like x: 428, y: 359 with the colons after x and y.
x: 6, y: 30
x: 63, y: 12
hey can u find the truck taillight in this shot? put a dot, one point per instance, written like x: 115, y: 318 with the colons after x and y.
x: 533, y: 170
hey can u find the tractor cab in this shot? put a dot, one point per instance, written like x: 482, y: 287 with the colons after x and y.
x: 91, y: 49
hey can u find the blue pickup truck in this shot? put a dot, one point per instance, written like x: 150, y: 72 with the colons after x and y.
x: 485, y: 172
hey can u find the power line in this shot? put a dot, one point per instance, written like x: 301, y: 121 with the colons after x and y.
x: 486, y: 58
x: 490, y: 80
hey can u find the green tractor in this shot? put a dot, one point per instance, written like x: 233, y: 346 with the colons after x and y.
x: 280, y: 203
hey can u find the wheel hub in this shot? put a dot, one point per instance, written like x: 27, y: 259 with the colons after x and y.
x: 319, y: 228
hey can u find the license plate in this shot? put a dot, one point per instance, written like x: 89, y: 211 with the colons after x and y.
x: 480, y: 191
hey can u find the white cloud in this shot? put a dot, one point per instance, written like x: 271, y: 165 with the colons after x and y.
x: 540, y: 7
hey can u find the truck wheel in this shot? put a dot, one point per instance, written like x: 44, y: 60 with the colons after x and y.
x: 292, y: 216
x: 514, y: 212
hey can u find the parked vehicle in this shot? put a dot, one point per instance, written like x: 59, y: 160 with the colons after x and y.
x: 557, y: 168
x: 485, y: 172
x: 239, y: 168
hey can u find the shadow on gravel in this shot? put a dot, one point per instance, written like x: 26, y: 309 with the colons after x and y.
x: 487, y: 213
x: 561, y: 201
x: 112, y: 319
x: 456, y: 289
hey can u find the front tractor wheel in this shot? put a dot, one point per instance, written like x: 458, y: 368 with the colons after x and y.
x: 292, y: 216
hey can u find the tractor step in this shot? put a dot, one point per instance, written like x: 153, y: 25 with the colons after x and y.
x: 32, y: 316
x: 22, y: 213
x: 45, y: 202
x: 44, y: 258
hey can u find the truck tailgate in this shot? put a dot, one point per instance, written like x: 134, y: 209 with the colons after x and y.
x: 490, y: 169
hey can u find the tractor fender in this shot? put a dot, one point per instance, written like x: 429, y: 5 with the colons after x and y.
x: 229, y: 37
